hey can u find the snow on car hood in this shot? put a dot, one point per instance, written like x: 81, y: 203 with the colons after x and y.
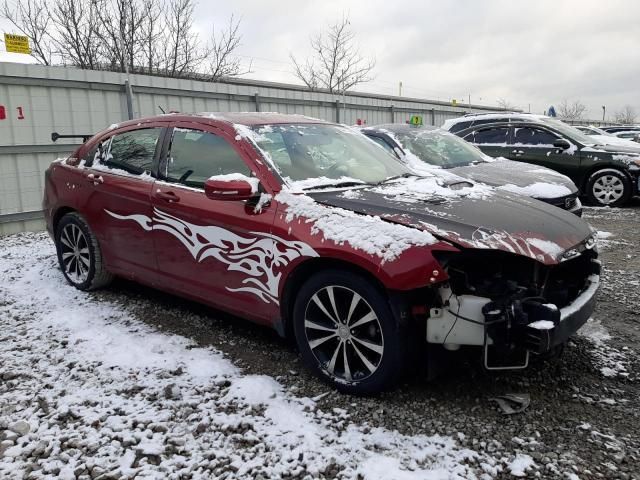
x: 521, y: 178
x: 491, y: 220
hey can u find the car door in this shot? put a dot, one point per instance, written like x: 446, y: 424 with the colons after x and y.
x: 210, y: 249
x: 493, y: 140
x: 116, y: 198
x: 533, y: 144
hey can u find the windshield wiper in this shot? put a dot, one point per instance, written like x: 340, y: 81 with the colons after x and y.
x: 395, y: 177
x: 350, y: 183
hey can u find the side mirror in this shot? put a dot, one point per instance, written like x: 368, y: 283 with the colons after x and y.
x: 562, y: 144
x: 230, y: 189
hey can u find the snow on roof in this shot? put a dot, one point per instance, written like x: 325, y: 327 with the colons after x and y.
x: 369, y: 234
x: 489, y: 116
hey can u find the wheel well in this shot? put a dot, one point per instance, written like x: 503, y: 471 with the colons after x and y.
x: 297, y: 277
x: 60, y: 212
x: 585, y: 182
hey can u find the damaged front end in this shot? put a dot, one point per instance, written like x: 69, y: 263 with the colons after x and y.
x: 510, y: 305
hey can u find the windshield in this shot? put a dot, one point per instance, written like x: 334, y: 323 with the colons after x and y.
x: 313, y: 155
x: 439, y: 148
x: 571, y: 132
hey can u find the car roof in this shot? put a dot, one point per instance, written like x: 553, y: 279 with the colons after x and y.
x: 243, y: 118
x: 399, y: 127
x: 494, y: 115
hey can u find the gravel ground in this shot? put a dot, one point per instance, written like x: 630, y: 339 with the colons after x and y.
x: 584, y: 417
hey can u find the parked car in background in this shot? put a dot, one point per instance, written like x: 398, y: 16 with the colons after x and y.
x: 428, y: 148
x: 606, y: 174
x: 312, y: 229
x: 632, y: 135
x: 606, y: 138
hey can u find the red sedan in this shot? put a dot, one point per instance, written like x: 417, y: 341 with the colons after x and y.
x: 313, y: 229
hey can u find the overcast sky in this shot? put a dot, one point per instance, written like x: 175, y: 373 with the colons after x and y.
x: 533, y: 53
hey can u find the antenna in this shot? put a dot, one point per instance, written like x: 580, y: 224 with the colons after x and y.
x: 162, y: 110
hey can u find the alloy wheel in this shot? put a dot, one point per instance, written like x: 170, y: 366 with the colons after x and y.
x: 608, y: 189
x: 344, y: 333
x: 74, y: 250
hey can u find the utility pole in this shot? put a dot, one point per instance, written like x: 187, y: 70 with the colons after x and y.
x: 469, y: 99
x: 400, y: 89
x: 604, y: 109
x: 127, y: 82
x: 344, y: 104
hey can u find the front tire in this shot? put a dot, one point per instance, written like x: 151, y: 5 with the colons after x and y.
x: 347, y: 334
x: 79, y: 254
x: 608, y: 187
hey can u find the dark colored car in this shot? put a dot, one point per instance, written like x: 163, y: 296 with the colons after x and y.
x: 621, y: 128
x: 312, y: 229
x: 432, y: 149
x: 606, y: 174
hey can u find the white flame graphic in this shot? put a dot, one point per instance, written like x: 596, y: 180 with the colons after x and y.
x: 260, y: 257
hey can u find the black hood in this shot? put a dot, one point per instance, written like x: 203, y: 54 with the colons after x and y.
x: 613, y: 149
x: 495, y: 220
x: 507, y: 172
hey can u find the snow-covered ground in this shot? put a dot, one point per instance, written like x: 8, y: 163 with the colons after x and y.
x: 90, y: 390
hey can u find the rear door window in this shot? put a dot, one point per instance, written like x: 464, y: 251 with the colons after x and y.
x: 195, y: 155
x: 533, y: 136
x: 492, y: 135
x: 133, y: 151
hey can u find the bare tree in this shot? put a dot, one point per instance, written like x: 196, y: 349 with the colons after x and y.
x: 182, y: 54
x: 77, y: 25
x: 222, y: 61
x: 626, y: 116
x: 121, y: 22
x: 149, y: 35
x: 571, y: 111
x: 505, y: 104
x: 337, y: 64
x: 152, y: 36
x: 32, y: 18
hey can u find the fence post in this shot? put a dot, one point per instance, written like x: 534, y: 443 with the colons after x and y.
x: 393, y: 114
x: 433, y: 117
x: 337, y: 111
x: 256, y: 99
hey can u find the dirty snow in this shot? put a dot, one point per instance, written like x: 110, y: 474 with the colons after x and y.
x: 519, y: 466
x: 362, y: 232
x: 610, y: 361
x: 101, y: 392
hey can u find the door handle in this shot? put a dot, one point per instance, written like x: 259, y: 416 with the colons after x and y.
x: 518, y: 152
x: 170, y: 197
x: 91, y: 178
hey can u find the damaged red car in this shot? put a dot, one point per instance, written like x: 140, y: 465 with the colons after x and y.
x: 312, y: 229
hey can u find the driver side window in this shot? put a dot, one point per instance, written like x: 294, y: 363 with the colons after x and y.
x: 194, y: 156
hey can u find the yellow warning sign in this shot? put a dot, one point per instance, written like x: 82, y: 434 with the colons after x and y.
x: 17, y: 43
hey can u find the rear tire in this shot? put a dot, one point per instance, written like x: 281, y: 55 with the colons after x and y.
x: 347, y: 334
x: 79, y: 254
x: 608, y: 187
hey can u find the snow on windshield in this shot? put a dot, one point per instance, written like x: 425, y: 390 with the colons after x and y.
x: 315, y: 151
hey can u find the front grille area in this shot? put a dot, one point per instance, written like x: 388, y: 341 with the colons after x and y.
x: 566, y: 203
x: 503, y: 277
